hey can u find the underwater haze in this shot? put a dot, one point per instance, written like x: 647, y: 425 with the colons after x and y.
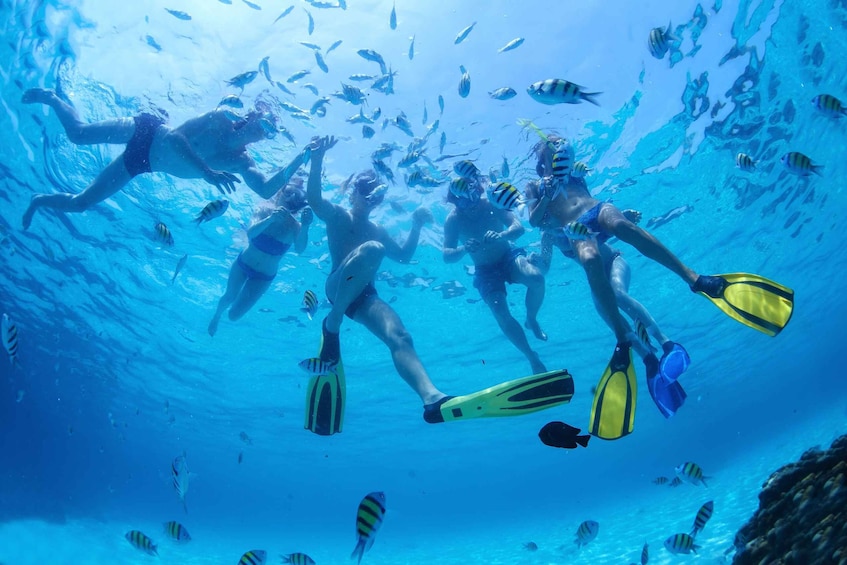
x: 116, y: 374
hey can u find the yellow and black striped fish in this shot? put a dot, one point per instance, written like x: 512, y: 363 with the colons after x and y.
x: 298, y: 559
x: 702, y: 517
x: 254, y: 557
x: 658, y: 41
x: 829, y: 105
x: 641, y: 332
x: 310, y: 303
x: 505, y: 196
x: 563, y: 160
x: 580, y: 169
x: 800, y: 164
x: 466, y: 169
x: 559, y: 91
x: 691, y: 473
x: 460, y: 188
x: 578, y: 231
x: 675, y: 482
x: 163, y: 234
x: 660, y: 481
x: 745, y: 162
x: 139, y: 541
x: 586, y: 532
x: 177, y: 532
x: 212, y: 210
x: 369, y: 518
x: 10, y: 338
x: 314, y: 366
x: 645, y: 556
x: 681, y: 543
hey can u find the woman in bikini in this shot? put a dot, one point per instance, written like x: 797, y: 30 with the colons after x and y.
x: 272, y: 234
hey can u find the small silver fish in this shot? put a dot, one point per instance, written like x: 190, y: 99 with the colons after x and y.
x: 284, y: 88
x: 297, y: 76
x: 392, y: 20
x: 179, y: 265
x: 360, y: 77
x: 411, y: 47
x: 504, y: 168
x: 513, y: 44
x: 464, y: 34
x: 440, y: 104
x: 311, y: 88
x: 265, y: 69
x: 465, y: 82
x: 321, y: 63
x: 312, y: 46
x: 178, y: 15
x: 252, y: 5
x: 424, y: 115
x: 284, y: 13
x: 442, y: 142
x: 152, y: 43
x: 232, y: 100
x: 242, y: 80
x: 505, y: 93
x: 334, y: 46
x: 181, y: 478
x: 311, y: 21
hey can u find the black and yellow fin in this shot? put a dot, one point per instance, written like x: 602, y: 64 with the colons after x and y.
x: 753, y: 300
x: 613, y: 410
x: 512, y: 398
x: 325, y: 400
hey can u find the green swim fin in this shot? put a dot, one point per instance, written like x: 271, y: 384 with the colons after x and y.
x: 613, y: 411
x: 325, y: 397
x: 753, y: 300
x: 513, y: 398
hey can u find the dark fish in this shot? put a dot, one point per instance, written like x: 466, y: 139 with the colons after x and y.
x: 284, y: 13
x: 180, y: 264
x: 702, y: 517
x: 559, y: 434
x: 252, y: 5
x: 645, y: 556
x: 152, y: 43
x: 530, y: 546
x: 240, y: 457
x: 660, y: 481
x: 242, y: 80
x: 367, y: 132
x: 178, y: 15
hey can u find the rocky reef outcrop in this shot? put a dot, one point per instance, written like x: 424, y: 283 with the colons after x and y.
x: 802, y: 515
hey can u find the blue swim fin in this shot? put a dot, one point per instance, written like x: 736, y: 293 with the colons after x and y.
x: 674, y: 361
x: 668, y: 395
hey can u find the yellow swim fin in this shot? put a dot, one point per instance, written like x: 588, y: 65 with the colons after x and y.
x: 613, y: 411
x: 512, y: 398
x: 755, y: 301
x: 325, y: 396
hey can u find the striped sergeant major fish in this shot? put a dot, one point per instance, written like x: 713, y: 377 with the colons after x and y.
x: 504, y: 93
x: 466, y: 169
x: 310, y: 303
x: 465, y: 82
x: 505, y: 196
x: 681, y: 543
x: 181, y: 477
x: 745, y: 162
x: 559, y: 91
x: 643, y: 337
x: 580, y: 169
x: 163, y: 234
x: 691, y: 473
x: 254, y: 557
x: 578, y: 231
x: 563, y: 160
x: 586, y: 532
x: 829, y: 105
x: 10, y: 339
x: 212, y: 210
x: 139, y: 541
x: 314, y: 366
x: 800, y: 164
x: 702, y: 517
x: 177, y: 532
x: 369, y: 518
x: 645, y: 555
x: 658, y: 41
x: 298, y: 559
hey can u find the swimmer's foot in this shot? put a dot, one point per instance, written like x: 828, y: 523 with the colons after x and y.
x: 432, y: 412
x: 536, y: 364
x: 38, y: 96
x: 533, y: 326
x: 213, y: 326
x: 330, y: 347
x: 30, y: 212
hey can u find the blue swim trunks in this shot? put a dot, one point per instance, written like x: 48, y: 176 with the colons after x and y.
x: 590, y: 219
x: 491, y: 279
x: 252, y: 273
x: 137, y: 152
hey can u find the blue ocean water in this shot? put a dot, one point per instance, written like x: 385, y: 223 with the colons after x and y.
x: 118, y: 376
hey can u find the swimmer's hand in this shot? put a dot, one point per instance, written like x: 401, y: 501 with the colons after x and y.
x: 223, y: 180
x: 472, y: 245
x: 306, y: 216
x: 320, y: 145
x: 491, y: 236
x: 548, y: 187
x: 633, y: 216
x: 422, y: 216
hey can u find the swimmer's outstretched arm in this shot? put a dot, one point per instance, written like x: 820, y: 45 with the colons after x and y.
x: 302, y: 238
x: 267, y: 187
x: 404, y: 253
x: 225, y: 182
x: 323, y: 208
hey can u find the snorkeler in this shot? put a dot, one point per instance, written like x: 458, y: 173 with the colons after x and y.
x: 566, y: 201
x: 662, y: 374
x: 488, y: 234
x: 188, y: 151
x: 358, y: 246
x: 270, y: 237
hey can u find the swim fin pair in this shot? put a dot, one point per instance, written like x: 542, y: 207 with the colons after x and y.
x: 662, y: 375
x: 755, y: 301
